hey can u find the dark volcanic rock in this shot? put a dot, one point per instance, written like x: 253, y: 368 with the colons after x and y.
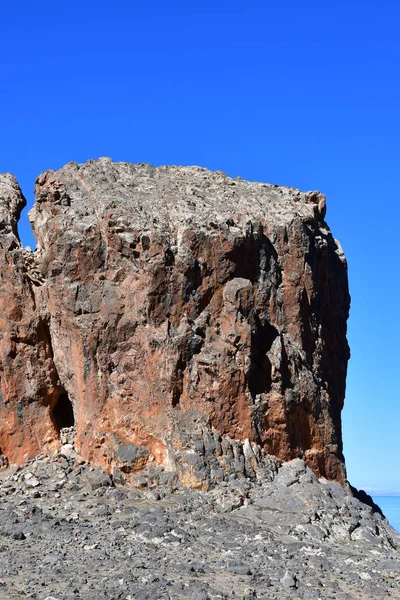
x: 176, y: 311
x: 292, y: 537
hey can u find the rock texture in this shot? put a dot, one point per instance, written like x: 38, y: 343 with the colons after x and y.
x: 28, y: 378
x: 68, y: 533
x: 191, y: 320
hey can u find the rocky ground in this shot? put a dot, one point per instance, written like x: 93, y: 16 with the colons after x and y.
x: 69, y: 531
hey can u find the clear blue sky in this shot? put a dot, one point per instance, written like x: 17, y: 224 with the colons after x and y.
x: 305, y: 94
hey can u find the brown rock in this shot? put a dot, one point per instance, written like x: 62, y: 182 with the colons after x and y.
x: 167, y: 304
x: 29, y: 382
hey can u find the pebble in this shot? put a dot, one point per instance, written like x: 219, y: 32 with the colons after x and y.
x: 288, y: 581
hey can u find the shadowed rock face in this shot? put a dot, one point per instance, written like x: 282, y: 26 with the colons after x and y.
x: 180, y: 312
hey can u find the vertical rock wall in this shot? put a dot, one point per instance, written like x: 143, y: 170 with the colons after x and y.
x: 179, y: 310
x: 28, y: 378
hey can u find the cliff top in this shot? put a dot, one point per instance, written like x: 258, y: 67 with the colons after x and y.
x: 157, y: 197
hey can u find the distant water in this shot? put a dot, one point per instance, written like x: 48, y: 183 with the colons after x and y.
x: 390, y: 506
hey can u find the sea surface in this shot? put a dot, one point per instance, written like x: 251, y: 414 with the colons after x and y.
x: 390, y: 506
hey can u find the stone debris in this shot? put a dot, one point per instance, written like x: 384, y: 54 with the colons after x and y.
x: 288, y: 581
x: 81, y: 534
x: 68, y: 435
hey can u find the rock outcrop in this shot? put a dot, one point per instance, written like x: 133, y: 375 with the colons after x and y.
x: 28, y: 378
x: 173, y: 316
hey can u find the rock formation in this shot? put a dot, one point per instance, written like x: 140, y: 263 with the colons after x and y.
x: 174, y: 316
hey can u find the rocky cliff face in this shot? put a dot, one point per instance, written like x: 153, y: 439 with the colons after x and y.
x: 28, y: 378
x: 174, y: 316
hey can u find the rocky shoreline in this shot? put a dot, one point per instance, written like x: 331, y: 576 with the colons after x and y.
x: 70, y: 531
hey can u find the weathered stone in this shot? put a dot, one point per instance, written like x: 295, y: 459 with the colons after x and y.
x: 28, y: 379
x: 150, y: 543
x: 117, y: 476
x: 166, y: 308
x: 288, y: 581
x: 132, y: 457
x: 32, y: 482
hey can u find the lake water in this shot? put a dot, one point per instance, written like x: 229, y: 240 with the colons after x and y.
x: 390, y: 506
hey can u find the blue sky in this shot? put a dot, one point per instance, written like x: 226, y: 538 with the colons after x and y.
x: 305, y: 94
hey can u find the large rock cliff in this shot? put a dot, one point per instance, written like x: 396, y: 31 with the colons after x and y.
x: 176, y: 317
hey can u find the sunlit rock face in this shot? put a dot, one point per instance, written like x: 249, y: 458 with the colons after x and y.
x: 28, y: 378
x: 183, y: 319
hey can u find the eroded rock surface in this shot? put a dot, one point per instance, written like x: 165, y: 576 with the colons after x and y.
x: 28, y: 379
x: 191, y: 320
